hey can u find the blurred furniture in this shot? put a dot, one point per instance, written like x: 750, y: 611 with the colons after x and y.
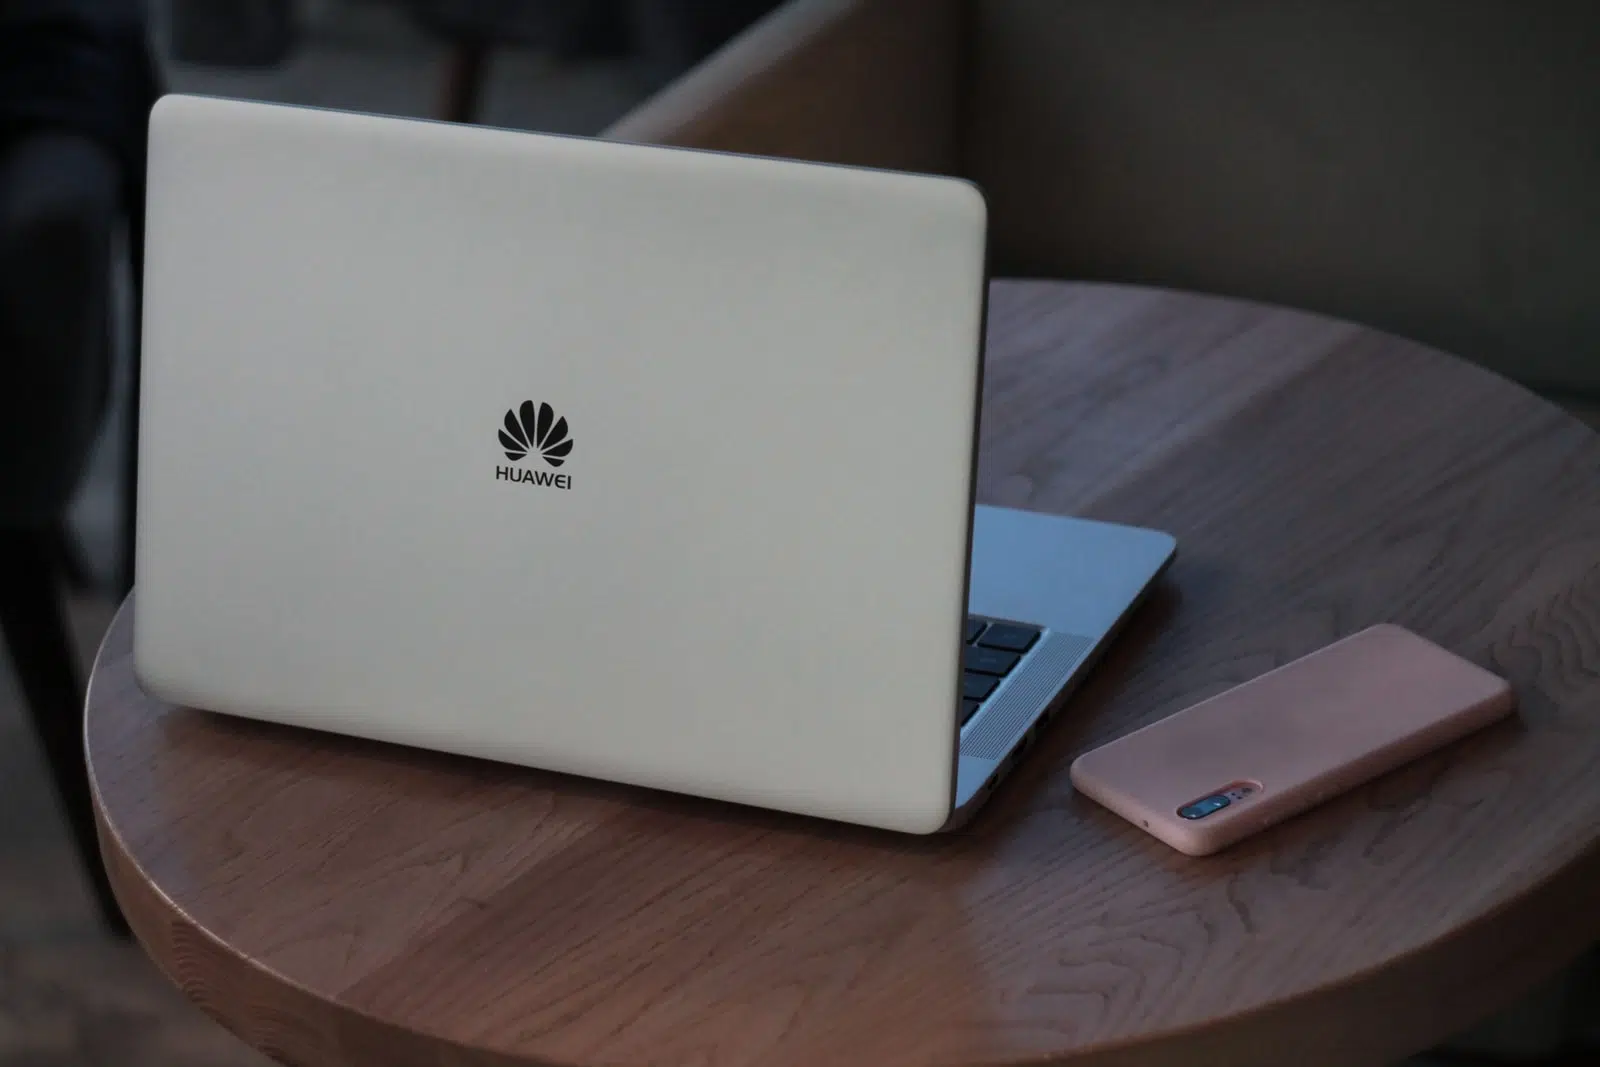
x: 232, y: 33
x: 1427, y: 168
x: 671, y: 36
x: 334, y: 901
x: 76, y: 83
x: 663, y: 37
x: 474, y: 28
x: 666, y: 36
x: 60, y: 202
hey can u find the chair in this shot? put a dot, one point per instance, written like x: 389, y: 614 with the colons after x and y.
x: 1426, y: 168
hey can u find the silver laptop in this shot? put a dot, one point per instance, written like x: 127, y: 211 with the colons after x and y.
x: 649, y: 465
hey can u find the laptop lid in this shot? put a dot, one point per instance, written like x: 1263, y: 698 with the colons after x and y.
x: 644, y: 464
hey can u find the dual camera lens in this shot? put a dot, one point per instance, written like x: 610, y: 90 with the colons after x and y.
x: 1199, y: 809
x: 1205, y: 806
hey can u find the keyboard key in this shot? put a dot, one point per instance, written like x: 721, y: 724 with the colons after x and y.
x: 974, y: 628
x: 969, y: 708
x: 990, y: 660
x: 977, y: 686
x: 1010, y: 636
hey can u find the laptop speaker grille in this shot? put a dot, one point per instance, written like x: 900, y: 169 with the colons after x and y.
x: 1026, y: 693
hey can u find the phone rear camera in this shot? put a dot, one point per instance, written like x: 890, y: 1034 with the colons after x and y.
x: 1203, y: 807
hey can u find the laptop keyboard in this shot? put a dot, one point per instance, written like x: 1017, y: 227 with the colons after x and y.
x: 994, y: 648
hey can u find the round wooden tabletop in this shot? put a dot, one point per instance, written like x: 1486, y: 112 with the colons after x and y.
x: 349, y: 903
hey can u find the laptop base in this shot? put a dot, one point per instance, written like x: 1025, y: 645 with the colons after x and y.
x: 1079, y: 581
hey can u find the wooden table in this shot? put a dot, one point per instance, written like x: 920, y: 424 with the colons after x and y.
x: 348, y: 903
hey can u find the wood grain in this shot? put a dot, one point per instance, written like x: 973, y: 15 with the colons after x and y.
x: 342, y: 902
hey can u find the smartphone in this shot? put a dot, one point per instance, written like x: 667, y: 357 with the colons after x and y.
x: 1228, y: 767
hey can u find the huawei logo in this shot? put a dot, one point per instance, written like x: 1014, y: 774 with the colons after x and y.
x: 529, y: 429
x: 546, y: 434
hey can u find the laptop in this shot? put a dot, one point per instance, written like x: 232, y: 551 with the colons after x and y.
x: 643, y: 464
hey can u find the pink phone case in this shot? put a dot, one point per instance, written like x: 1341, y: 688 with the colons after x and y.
x: 1292, y: 738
